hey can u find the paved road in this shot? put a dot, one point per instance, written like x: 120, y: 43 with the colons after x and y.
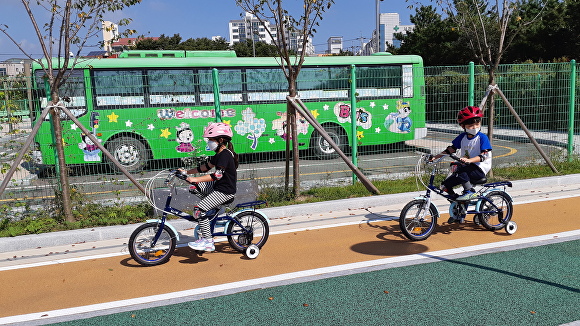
x: 83, y: 278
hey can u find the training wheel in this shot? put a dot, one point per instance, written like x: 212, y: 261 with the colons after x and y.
x: 252, y: 251
x: 511, y: 227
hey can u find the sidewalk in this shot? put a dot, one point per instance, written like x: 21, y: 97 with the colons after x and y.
x: 30, y: 249
x: 559, y: 139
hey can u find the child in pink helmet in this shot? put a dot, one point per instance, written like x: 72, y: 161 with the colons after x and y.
x: 218, y: 187
x: 472, y: 146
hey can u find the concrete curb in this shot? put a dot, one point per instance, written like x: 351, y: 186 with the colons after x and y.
x: 340, y: 206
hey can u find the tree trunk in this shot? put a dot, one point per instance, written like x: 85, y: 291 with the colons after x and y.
x: 63, y: 173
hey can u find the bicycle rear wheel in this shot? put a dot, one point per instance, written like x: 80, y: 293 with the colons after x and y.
x: 256, y: 231
x: 417, y: 222
x: 496, y: 210
x: 142, y: 250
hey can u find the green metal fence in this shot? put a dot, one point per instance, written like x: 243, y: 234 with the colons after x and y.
x: 544, y: 95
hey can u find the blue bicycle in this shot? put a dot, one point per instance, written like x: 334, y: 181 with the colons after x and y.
x: 492, y: 207
x: 153, y: 243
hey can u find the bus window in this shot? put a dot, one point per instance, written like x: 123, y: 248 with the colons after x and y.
x: 119, y: 88
x: 380, y: 81
x: 266, y: 84
x: 324, y: 83
x: 171, y: 87
x: 71, y: 93
x: 230, y: 85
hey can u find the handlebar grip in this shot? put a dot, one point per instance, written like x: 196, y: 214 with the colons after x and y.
x: 458, y: 159
x: 179, y: 174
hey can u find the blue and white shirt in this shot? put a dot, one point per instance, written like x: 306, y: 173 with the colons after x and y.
x: 472, y: 147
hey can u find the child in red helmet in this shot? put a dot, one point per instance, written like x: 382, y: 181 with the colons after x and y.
x: 474, y: 147
x: 218, y: 187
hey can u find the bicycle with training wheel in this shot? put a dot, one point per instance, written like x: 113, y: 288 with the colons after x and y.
x: 492, y: 207
x: 153, y: 243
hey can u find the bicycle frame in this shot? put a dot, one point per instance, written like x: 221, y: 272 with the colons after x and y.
x: 484, y: 188
x: 213, y: 215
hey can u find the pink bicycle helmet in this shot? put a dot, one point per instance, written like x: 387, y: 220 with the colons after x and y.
x: 469, y: 112
x: 218, y: 129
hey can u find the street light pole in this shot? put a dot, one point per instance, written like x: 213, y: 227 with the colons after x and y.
x: 378, y: 35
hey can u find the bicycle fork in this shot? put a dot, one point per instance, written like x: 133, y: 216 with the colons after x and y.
x: 422, y: 213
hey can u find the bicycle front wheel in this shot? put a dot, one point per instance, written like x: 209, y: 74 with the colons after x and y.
x: 417, y: 221
x: 144, y: 251
x: 496, y: 210
x: 255, y: 231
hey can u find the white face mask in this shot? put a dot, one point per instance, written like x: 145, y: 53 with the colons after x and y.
x: 212, y: 145
x: 472, y: 131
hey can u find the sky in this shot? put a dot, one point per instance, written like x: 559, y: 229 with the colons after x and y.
x: 351, y: 19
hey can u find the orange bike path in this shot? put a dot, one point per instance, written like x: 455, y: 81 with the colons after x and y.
x: 81, y: 283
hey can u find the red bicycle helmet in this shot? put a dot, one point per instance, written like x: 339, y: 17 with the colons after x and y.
x: 469, y: 112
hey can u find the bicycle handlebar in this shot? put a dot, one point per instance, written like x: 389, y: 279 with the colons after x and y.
x: 458, y: 159
x: 180, y: 175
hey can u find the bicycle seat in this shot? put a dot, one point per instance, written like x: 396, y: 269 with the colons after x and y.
x: 480, y: 181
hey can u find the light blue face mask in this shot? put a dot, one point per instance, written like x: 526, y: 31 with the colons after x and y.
x: 212, y: 145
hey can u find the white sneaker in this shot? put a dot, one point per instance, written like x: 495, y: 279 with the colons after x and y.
x: 202, y: 244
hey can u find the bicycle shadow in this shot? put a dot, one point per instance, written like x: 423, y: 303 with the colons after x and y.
x: 390, y: 240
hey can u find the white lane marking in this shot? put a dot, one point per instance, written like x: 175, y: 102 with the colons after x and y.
x: 122, y: 253
x: 276, y: 278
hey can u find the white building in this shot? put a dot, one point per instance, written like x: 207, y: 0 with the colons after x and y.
x: 110, y: 35
x: 250, y: 27
x: 389, y: 25
x: 334, y: 45
x: 12, y: 67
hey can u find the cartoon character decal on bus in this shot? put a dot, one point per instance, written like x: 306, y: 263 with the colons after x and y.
x: 363, y: 117
x: 184, y: 136
x: 399, y: 121
x: 88, y: 147
x: 280, y: 125
x: 251, y: 126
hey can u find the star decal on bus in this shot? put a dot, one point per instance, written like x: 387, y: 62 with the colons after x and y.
x: 151, y: 127
x: 165, y: 133
x: 385, y: 107
x: 378, y: 130
x: 372, y: 105
x: 271, y: 141
x: 359, y: 134
x: 73, y: 126
x: 113, y: 117
x: 315, y: 113
x: 128, y: 123
x: 326, y: 107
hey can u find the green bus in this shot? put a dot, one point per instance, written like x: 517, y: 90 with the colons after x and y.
x: 148, y: 105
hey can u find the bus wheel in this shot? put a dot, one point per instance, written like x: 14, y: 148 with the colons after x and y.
x: 130, y: 152
x: 322, y: 148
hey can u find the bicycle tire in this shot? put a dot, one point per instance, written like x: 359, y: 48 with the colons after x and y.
x: 258, y: 235
x: 413, y: 226
x: 140, y: 244
x: 495, y: 218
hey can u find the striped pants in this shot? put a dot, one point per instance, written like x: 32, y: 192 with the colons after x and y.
x: 210, y: 199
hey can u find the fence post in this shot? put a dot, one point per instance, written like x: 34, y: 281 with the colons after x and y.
x: 353, y: 119
x: 216, y: 94
x: 571, y: 107
x: 471, y: 91
x: 57, y: 166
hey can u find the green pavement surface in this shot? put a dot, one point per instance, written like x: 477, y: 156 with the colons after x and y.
x: 531, y: 286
